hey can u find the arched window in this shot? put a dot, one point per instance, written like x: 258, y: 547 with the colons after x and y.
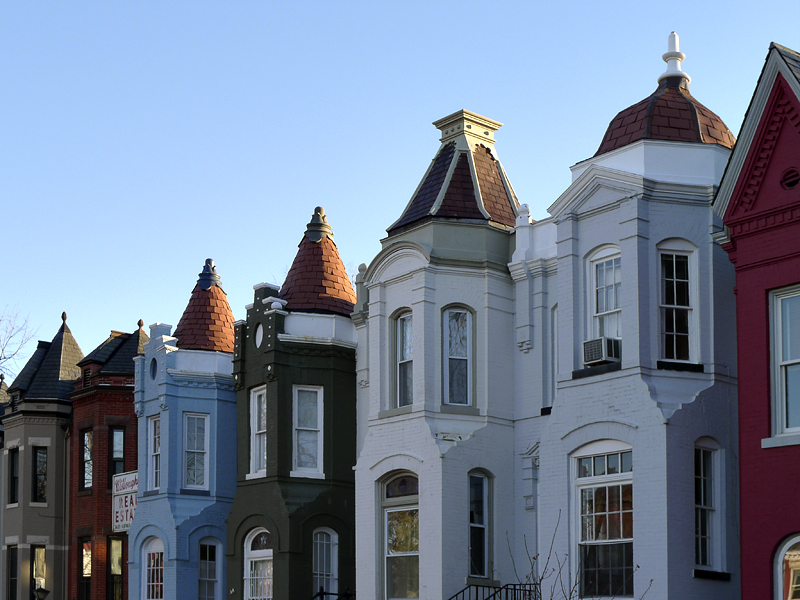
x: 404, y: 333
x: 604, y: 493
x: 153, y: 569
x: 401, y: 536
x: 326, y: 560
x: 258, y: 565
x: 606, y: 292
x: 210, y: 569
x: 787, y: 569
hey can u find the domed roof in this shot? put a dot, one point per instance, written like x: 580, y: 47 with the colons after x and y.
x: 670, y: 113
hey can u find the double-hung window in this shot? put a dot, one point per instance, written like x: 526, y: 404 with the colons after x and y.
x: 405, y: 360
x: 85, y: 569
x: 114, y: 568
x: 154, y: 452
x: 153, y: 569
x: 704, y: 499
x: 13, y: 476
x: 457, y: 344
x: 308, y: 431
x: 38, y: 567
x: 195, y: 451
x: 39, y: 479
x: 12, y: 571
x: 87, y: 441
x: 325, y: 560
x: 401, y: 537
x: 258, y: 431
x: 786, y: 360
x: 604, y: 484
x: 116, y: 453
x: 478, y: 525
x: 258, y: 565
x: 607, y: 296
x: 209, y: 575
x: 675, y: 307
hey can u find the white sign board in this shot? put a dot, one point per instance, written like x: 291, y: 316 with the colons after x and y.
x: 124, y: 502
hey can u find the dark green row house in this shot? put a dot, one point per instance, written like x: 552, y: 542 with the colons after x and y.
x: 291, y: 530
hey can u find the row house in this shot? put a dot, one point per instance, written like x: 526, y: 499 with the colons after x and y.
x: 554, y: 399
x: 102, y: 444
x: 759, y: 201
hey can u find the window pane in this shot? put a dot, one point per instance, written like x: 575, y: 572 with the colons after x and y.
x: 476, y: 505
x: 792, y: 383
x: 119, y: 444
x: 406, y: 391
x: 477, y: 551
x: 682, y: 267
x: 402, y: 576
x: 457, y: 382
x: 406, y: 338
x: 457, y: 323
x: 261, y: 412
x: 406, y: 485
x: 613, y: 464
x: 307, y: 449
x: 627, y: 461
x: 307, y: 409
x: 116, y: 557
x: 790, y: 327
x: 402, y: 531
x: 599, y: 465
x: 86, y: 563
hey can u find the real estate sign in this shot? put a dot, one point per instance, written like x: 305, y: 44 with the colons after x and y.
x: 124, y: 501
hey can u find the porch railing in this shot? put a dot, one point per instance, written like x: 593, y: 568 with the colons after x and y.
x: 510, y: 591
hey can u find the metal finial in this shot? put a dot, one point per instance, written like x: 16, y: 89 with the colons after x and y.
x: 140, y: 323
x: 208, y: 276
x: 318, y: 227
x: 673, y: 57
x: 64, y: 317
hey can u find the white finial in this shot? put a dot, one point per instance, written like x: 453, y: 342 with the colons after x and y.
x: 673, y: 58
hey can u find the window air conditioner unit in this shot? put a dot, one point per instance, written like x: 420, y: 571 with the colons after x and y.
x: 602, y: 350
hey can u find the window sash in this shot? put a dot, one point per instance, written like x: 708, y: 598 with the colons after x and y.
x: 38, y: 567
x: 457, y: 346
x: 478, y: 525
x: 207, y: 577
x: 405, y: 362
x: 675, y: 307
x: 116, y: 453
x: 704, y: 506
x: 13, y: 484
x: 308, y: 429
x: 401, y: 552
x: 114, y: 564
x: 155, y: 453
x: 258, y: 431
x: 154, y: 575
x: 12, y: 571
x: 324, y: 561
x: 39, y: 491
x: 607, y: 297
x: 87, y: 463
x: 195, y: 443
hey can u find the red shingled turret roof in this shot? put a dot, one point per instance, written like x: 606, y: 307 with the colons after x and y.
x: 670, y: 113
x: 317, y: 281
x: 207, y: 322
x: 465, y: 180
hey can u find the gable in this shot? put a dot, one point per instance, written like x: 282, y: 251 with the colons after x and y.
x: 597, y: 188
x: 775, y: 148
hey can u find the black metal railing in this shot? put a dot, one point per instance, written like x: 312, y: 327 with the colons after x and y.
x: 510, y: 591
x: 322, y: 594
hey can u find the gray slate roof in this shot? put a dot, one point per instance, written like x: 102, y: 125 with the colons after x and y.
x: 791, y: 58
x: 52, y: 369
x: 116, y: 353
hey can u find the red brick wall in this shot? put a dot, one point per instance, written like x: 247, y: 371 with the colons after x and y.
x: 90, y: 512
x: 764, y: 221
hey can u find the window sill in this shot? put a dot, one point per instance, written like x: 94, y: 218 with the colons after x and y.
x: 474, y: 580
x: 780, y: 440
x: 150, y: 493
x: 709, y: 574
x: 86, y: 492
x: 598, y: 370
x: 460, y: 409
x: 669, y: 365
x: 393, y: 412
x: 307, y: 474
x: 14, y: 505
x: 38, y: 504
x: 192, y: 492
x: 258, y: 475
x: 546, y: 410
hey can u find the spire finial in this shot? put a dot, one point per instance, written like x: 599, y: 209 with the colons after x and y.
x: 64, y: 317
x: 318, y: 228
x: 140, y: 323
x: 208, y: 276
x: 674, y: 57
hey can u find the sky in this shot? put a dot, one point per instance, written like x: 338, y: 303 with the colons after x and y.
x: 138, y: 139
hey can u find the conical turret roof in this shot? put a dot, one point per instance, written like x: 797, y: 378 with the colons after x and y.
x: 670, y: 113
x: 51, y: 371
x: 207, y: 322
x: 317, y: 280
x: 465, y: 180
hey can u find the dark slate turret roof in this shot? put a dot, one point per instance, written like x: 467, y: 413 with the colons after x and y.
x: 465, y: 179
x: 317, y: 281
x: 207, y: 322
x: 117, y: 352
x: 53, y: 368
x: 670, y: 113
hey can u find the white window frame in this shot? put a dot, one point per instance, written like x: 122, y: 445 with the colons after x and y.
x: 602, y: 255
x: 255, y: 469
x: 256, y: 555
x: 596, y: 449
x: 717, y: 560
x: 779, y: 398
x: 388, y: 506
x: 679, y: 247
x: 400, y: 324
x: 319, y: 573
x: 316, y: 472
x: 153, y: 590
x: 204, y: 451
x: 483, y: 570
x: 154, y: 463
x: 210, y: 541
x: 446, y: 358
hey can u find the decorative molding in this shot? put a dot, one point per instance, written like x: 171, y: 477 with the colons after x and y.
x: 363, y: 383
x: 524, y: 346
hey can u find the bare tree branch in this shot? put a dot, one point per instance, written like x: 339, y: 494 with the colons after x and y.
x: 15, y: 333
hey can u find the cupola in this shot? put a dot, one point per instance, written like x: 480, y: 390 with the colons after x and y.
x: 207, y: 322
x: 465, y: 180
x: 670, y: 113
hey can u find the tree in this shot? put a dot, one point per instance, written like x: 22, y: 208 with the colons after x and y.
x: 15, y: 333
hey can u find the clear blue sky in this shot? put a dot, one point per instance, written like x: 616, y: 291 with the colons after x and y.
x: 139, y: 138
